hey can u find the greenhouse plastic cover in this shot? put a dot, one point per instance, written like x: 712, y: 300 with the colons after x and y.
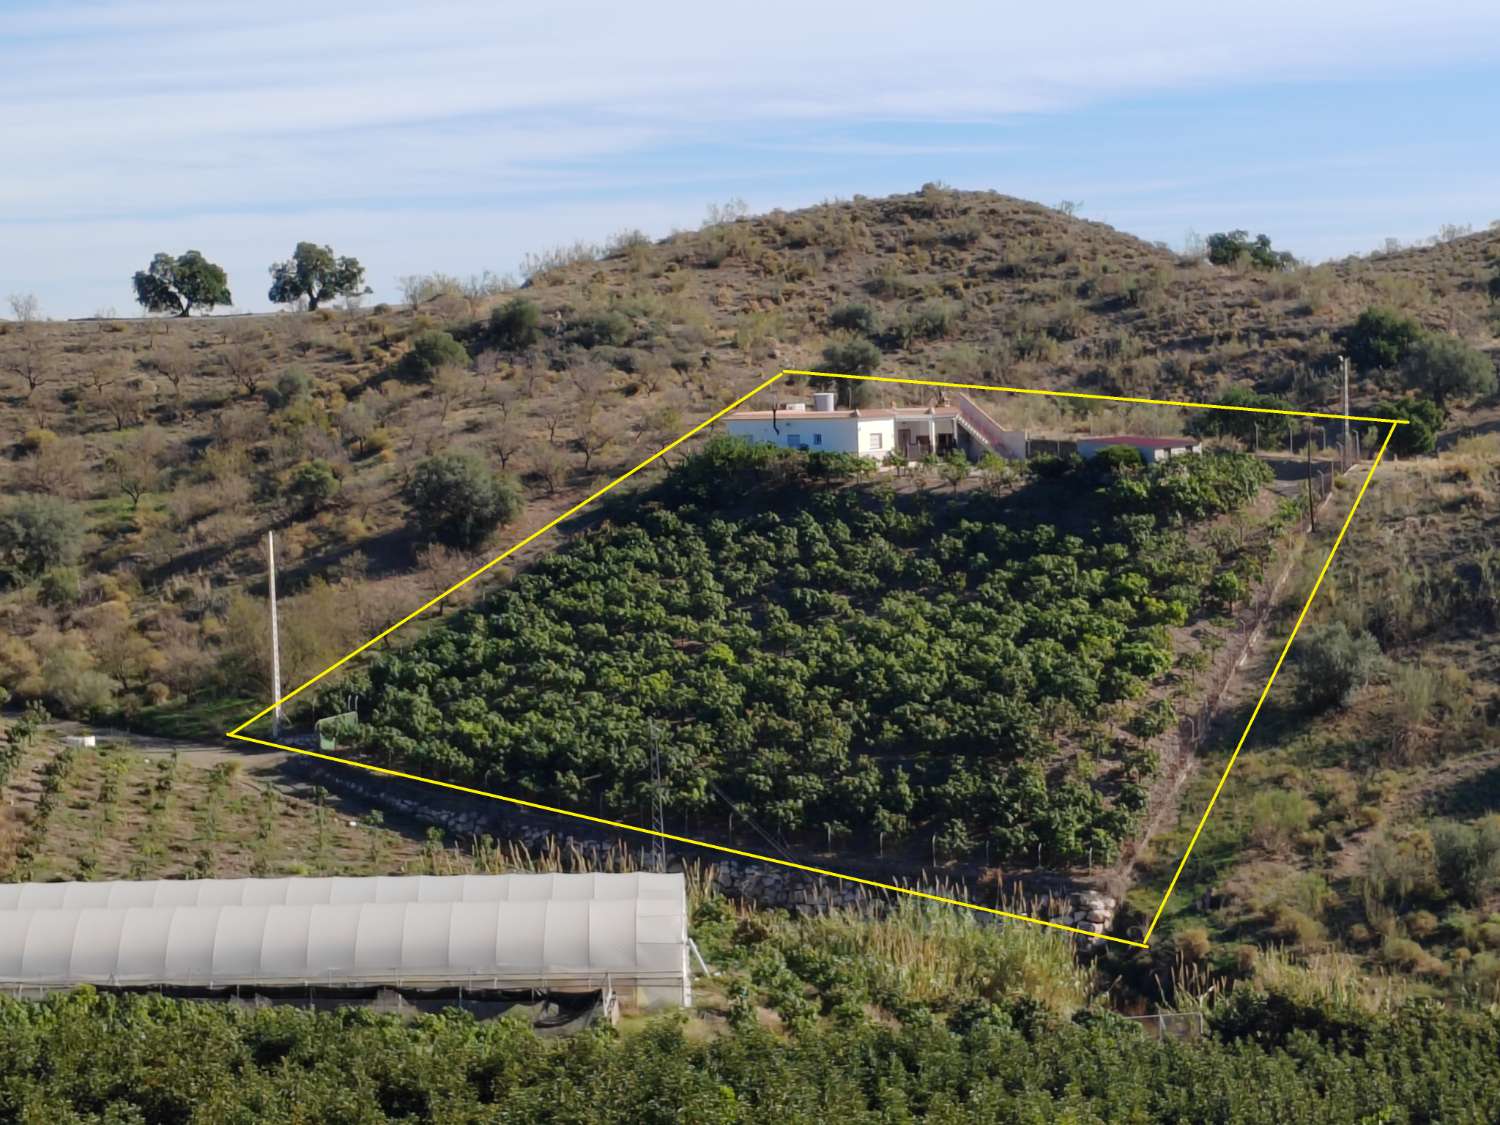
x: 340, y: 890
x: 507, y: 931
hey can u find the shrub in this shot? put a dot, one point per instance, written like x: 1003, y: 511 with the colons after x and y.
x: 609, y: 329
x: 1276, y: 817
x: 1154, y: 719
x: 1192, y: 943
x: 1117, y: 460
x: 930, y: 321
x: 1332, y: 664
x: 61, y: 586
x: 515, y: 325
x: 429, y: 351
x: 292, y: 385
x: 852, y: 357
x: 1228, y: 589
x: 1467, y: 857
x: 1381, y: 338
x: 1420, y: 435
x: 1444, y: 367
x: 859, y: 318
x: 456, y: 499
x: 38, y: 533
x: 311, y: 485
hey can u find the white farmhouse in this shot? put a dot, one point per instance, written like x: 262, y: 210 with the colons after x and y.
x: 911, y: 431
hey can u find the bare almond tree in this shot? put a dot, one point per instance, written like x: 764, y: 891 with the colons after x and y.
x: 123, y: 401
x: 136, y: 465
x: 101, y: 372
x: 598, y: 432
x: 508, y: 440
x: 553, y: 412
x: 25, y: 308
x: 31, y: 363
x: 449, y: 384
x: 241, y: 361
x: 175, y: 363
x: 548, y: 462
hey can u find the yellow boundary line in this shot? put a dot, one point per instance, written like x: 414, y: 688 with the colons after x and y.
x: 576, y: 508
x: 1265, y: 691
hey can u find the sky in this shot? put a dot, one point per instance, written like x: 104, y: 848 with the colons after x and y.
x: 458, y: 136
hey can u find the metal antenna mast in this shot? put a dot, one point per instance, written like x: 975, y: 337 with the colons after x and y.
x: 658, y: 817
x: 275, y: 639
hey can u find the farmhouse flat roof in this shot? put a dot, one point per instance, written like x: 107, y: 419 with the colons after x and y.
x: 1141, y: 442
x: 798, y: 415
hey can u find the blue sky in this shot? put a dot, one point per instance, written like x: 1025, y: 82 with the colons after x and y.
x: 457, y: 136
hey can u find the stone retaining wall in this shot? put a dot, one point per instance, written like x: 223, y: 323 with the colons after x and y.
x: 763, y: 884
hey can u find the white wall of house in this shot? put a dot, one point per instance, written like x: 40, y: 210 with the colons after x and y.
x: 870, y: 437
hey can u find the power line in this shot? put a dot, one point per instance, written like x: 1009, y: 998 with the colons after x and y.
x: 761, y: 832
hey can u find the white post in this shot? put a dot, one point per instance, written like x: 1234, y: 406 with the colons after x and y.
x: 275, y: 638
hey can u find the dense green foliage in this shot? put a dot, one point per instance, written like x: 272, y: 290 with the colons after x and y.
x: 857, y: 317
x: 1333, y: 663
x: 1380, y: 338
x: 179, y: 285
x: 1425, y: 419
x: 856, y: 356
x: 515, y: 325
x: 456, y: 499
x: 313, y: 274
x: 835, y: 660
x: 90, y: 1057
x: 1230, y: 247
x: 310, y: 486
x: 1467, y: 857
x: 1249, y: 425
x: 430, y: 351
x: 38, y: 533
x: 1443, y: 367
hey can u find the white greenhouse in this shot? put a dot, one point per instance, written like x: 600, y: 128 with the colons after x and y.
x: 615, y: 936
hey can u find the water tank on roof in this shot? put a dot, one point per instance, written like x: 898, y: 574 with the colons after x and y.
x: 824, y: 400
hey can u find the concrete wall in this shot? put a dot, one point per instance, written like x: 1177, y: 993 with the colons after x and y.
x: 839, y: 435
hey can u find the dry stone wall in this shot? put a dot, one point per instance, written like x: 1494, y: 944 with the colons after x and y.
x: 762, y: 884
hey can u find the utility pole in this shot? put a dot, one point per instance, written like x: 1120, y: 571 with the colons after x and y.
x: 275, y: 638
x: 1312, y: 507
x: 658, y: 816
x: 1344, y: 366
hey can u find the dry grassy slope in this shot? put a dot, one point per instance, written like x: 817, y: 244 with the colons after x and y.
x: 1322, y: 839
x: 1020, y: 294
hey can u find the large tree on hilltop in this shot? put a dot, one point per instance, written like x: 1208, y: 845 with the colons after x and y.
x: 178, y: 285
x: 314, y: 273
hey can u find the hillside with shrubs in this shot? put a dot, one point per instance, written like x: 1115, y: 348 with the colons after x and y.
x: 1361, y: 828
x: 392, y: 448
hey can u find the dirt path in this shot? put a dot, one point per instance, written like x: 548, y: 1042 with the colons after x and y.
x: 253, y: 759
x: 1253, y: 660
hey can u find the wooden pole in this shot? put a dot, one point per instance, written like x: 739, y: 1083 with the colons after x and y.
x: 275, y: 637
x: 1312, y: 507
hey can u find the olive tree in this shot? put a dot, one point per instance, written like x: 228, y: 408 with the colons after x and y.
x: 430, y: 352
x: 1443, y: 367
x: 456, y: 499
x: 36, y: 534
